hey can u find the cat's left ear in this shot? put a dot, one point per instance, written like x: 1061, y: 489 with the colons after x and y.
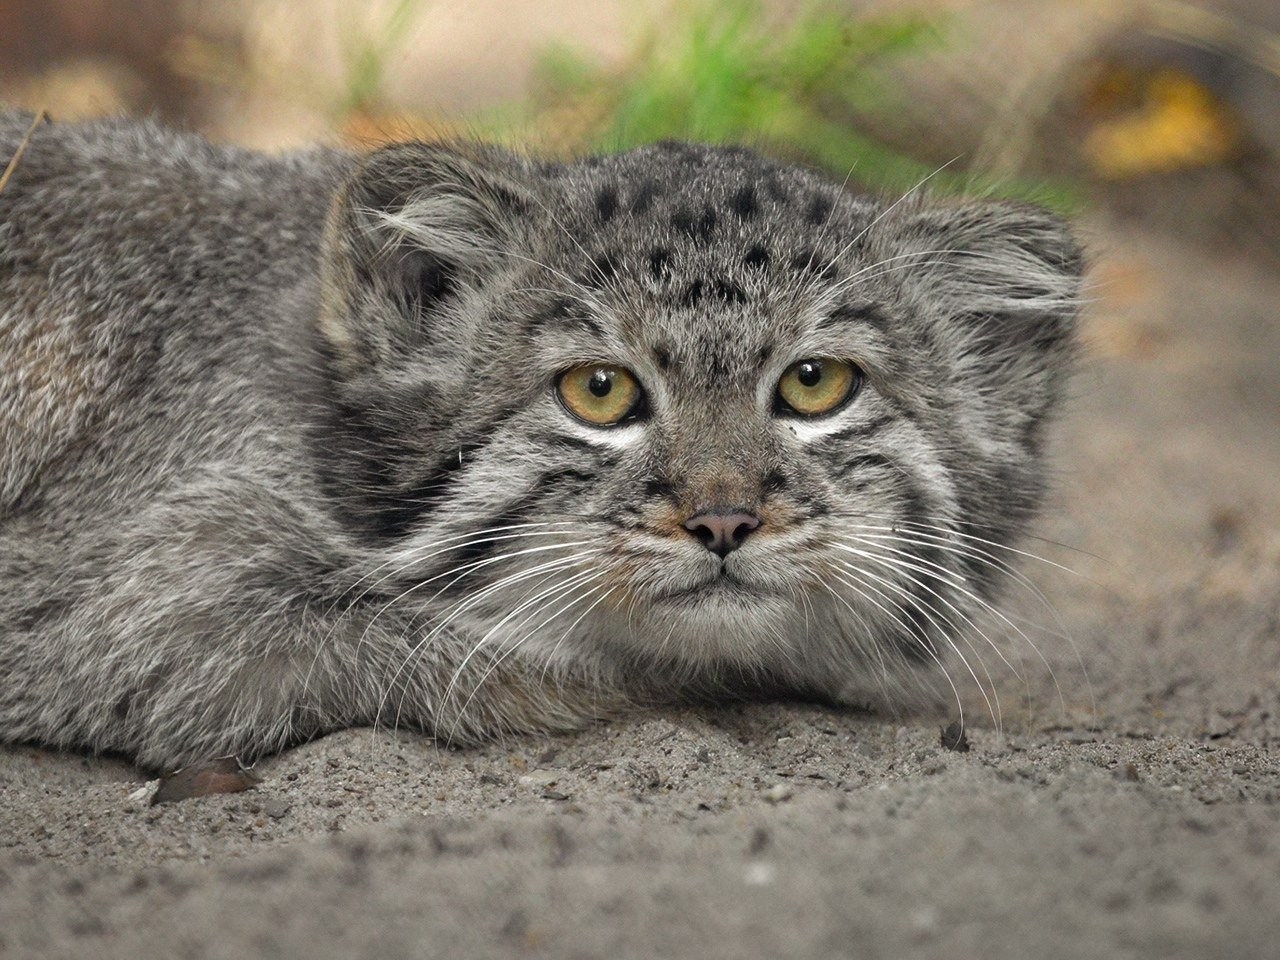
x: 415, y: 229
x: 1006, y: 278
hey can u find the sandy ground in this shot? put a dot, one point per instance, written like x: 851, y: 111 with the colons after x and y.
x: 1128, y: 807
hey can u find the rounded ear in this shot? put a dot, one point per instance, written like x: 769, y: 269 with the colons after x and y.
x: 413, y: 230
x: 1004, y: 280
x: 1013, y: 269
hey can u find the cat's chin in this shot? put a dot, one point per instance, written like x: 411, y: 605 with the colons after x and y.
x: 719, y: 591
x: 721, y: 621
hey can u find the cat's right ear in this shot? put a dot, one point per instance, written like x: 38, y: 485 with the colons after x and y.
x: 414, y: 230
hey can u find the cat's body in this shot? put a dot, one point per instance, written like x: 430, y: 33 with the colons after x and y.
x: 293, y: 443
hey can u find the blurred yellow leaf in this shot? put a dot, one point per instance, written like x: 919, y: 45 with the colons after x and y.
x: 1177, y: 124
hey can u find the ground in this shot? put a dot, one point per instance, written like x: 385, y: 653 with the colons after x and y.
x: 1127, y: 806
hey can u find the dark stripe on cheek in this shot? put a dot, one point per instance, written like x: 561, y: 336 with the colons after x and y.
x: 490, y: 541
x: 864, y: 429
x: 862, y: 463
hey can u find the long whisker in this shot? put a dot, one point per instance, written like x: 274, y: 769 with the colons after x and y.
x: 963, y: 634
x: 406, y: 559
x: 927, y: 568
x: 958, y: 583
x: 543, y: 570
x: 550, y: 593
x: 497, y: 661
x: 929, y: 614
x: 910, y: 629
x: 942, y: 541
x: 462, y: 571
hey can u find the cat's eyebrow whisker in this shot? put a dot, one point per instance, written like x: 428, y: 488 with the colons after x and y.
x: 887, y: 211
x: 929, y: 612
x: 826, y: 223
x: 570, y: 236
x: 846, y: 282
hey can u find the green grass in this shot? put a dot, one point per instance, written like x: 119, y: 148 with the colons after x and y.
x: 725, y: 71
x: 368, y: 52
x: 807, y: 85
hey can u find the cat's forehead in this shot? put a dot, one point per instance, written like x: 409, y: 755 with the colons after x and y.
x: 704, y: 255
x: 705, y: 196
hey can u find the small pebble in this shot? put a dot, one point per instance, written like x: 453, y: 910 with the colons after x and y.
x: 953, y: 737
x: 539, y: 778
x: 778, y: 793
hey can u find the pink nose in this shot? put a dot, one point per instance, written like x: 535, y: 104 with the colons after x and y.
x: 722, y: 531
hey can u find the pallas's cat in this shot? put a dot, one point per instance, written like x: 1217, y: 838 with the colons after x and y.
x: 451, y: 438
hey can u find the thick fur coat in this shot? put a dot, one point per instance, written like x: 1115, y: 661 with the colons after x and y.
x: 283, y: 444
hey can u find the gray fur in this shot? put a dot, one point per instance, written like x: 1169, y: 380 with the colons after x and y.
x: 280, y: 451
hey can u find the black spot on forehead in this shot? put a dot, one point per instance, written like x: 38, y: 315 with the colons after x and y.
x: 692, y: 295
x: 811, y: 262
x: 744, y: 202
x: 729, y: 292
x: 602, y: 270
x: 607, y: 203
x: 643, y: 197
x: 757, y: 257
x: 774, y: 188
x: 819, y: 209
x: 660, y: 263
x: 699, y: 226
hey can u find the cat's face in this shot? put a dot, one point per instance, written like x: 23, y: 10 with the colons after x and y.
x: 686, y: 411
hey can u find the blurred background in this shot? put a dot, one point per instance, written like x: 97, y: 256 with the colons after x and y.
x: 1166, y: 112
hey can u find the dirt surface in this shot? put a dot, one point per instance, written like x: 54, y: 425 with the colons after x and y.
x: 1127, y: 806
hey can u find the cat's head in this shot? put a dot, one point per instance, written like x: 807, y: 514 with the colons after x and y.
x: 689, y: 411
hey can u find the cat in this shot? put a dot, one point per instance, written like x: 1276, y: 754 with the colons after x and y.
x: 448, y: 437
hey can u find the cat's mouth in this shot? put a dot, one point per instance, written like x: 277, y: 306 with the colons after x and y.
x: 722, y: 585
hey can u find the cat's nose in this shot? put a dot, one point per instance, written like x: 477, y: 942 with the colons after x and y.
x: 722, y: 531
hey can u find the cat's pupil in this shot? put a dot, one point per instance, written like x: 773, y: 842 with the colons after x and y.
x: 600, y: 384
x: 809, y: 373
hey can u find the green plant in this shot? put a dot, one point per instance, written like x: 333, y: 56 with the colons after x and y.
x: 370, y: 50
x: 797, y: 85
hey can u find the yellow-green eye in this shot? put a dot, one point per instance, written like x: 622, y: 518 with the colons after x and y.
x: 599, y: 393
x: 818, y: 385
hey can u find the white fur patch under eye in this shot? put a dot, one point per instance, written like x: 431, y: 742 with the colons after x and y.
x: 809, y: 430
x: 620, y: 437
